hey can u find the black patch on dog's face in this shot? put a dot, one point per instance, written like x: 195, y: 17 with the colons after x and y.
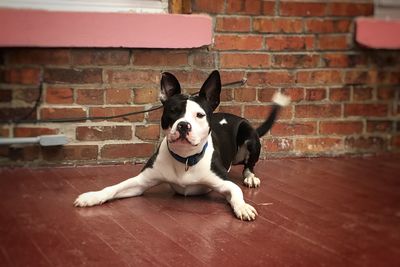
x: 205, y: 105
x: 174, y: 109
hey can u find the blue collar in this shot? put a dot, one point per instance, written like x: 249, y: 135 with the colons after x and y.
x: 191, y: 160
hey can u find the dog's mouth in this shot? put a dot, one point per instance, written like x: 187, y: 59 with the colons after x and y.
x: 181, y: 140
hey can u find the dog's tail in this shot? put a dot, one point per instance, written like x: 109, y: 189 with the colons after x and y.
x: 280, y: 100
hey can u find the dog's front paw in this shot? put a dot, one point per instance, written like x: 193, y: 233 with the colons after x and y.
x: 90, y: 199
x: 251, y: 181
x: 246, y: 212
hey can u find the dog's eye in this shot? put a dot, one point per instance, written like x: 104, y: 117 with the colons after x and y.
x: 200, y: 115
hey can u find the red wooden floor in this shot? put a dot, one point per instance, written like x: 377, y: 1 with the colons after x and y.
x: 313, y: 212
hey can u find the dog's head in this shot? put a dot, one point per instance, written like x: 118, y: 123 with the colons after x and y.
x: 186, y: 119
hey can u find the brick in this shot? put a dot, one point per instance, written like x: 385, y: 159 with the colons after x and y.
x: 115, y: 151
x: 327, y: 26
x: 134, y: 77
x: 238, y: 42
x: 295, y: 61
x: 226, y: 94
x: 90, y: 96
x: 277, y: 25
x: 191, y: 91
x: 372, y: 143
x: 290, y: 129
x: 39, y: 56
x: 302, y: 9
x: 362, y: 93
x: 190, y: 77
x: 204, y: 59
x: 7, y: 113
x: 268, y: 7
x: 333, y: 42
x: 25, y: 76
x: 160, y: 58
x: 4, y: 152
x: 118, y: 96
x: 293, y: 43
x: 233, y: 109
x: 80, y: 76
x: 265, y: 94
x: 101, y: 133
x: 155, y: 115
x: 249, y: 7
x: 336, y: 60
x: 394, y: 77
x: 62, y: 113
x: 33, y: 131
x: 386, y: 77
x: 315, y: 94
x: 5, y: 95
x: 24, y: 153
x: 70, y: 152
x: 396, y: 141
x: 386, y: 93
x: 322, y: 145
x: 207, y: 6
x: 233, y: 24
x: 148, y: 132
x: 55, y: 95
x: 339, y: 94
x: 370, y: 110
x: 277, y: 145
x: 145, y: 96
x: 319, y: 77
x: 270, y: 77
x: 351, y: 9
x: 318, y: 111
x: 4, y: 132
x: 241, y: 60
x: 114, y: 111
x: 375, y: 126
x: 341, y: 127
x: 97, y: 57
x: 245, y: 94
x: 260, y: 112
x: 360, y: 77
x: 231, y: 76
x: 295, y: 94
x: 382, y: 58
x: 27, y: 95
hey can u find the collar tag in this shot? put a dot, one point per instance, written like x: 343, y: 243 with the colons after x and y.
x: 186, y: 165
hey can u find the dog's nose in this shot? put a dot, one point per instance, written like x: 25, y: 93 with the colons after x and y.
x: 184, y: 127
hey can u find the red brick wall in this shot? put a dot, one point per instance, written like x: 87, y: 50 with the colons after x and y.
x: 345, y: 98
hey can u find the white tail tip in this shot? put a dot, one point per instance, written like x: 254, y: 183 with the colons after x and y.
x: 281, y: 99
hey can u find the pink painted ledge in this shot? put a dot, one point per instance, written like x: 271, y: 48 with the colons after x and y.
x: 34, y: 28
x: 378, y: 33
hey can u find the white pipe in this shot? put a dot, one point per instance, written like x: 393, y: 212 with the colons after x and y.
x: 43, y: 140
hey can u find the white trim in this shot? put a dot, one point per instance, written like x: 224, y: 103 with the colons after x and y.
x: 132, y: 6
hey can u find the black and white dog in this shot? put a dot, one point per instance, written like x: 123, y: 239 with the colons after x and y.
x: 198, y: 149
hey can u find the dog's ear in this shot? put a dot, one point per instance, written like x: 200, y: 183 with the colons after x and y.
x: 211, y: 89
x: 169, y: 86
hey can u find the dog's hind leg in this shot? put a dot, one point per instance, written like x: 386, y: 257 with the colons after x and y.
x: 250, y: 180
x: 129, y: 188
